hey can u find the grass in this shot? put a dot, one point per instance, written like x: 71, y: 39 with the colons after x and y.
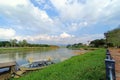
x: 89, y: 66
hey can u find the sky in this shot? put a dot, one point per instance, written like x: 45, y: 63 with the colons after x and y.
x: 57, y: 21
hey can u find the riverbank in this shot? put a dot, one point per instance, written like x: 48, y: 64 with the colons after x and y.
x: 12, y: 49
x: 89, y: 66
x: 79, y: 51
x: 115, y: 53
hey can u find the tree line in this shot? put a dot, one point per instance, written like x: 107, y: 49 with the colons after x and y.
x: 98, y: 43
x: 76, y: 45
x: 23, y: 43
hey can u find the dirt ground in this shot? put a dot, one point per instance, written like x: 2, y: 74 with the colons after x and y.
x: 5, y: 76
x: 115, y: 53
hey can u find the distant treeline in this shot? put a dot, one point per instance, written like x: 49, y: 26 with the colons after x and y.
x: 98, y: 43
x: 76, y: 46
x: 23, y: 43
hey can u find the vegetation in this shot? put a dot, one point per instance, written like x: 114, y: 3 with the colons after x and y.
x: 23, y: 43
x: 113, y: 37
x: 98, y: 43
x: 89, y: 66
x: 76, y: 46
x: 14, y: 45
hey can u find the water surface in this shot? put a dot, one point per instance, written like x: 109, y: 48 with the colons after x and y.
x: 61, y: 54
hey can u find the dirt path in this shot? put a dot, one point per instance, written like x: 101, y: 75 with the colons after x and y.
x: 115, y: 53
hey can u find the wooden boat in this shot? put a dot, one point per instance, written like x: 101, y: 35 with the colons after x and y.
x: 35, y: 65
x: 31, y: 66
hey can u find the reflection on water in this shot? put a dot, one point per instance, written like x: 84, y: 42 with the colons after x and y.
x: 61, y: 53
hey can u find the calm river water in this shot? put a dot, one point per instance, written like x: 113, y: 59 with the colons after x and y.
x: 59, y: 54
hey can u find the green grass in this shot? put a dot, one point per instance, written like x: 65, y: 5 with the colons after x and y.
x: 89, y: 66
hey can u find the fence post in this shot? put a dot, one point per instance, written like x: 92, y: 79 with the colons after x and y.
x: 110, y: 69
x: 108, y: 56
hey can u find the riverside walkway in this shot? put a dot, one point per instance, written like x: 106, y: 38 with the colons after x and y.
x: 115, y: 53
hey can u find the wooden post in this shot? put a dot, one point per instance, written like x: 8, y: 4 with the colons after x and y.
x: 12, y: 69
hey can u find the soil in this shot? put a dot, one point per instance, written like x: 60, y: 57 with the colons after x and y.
x: 5, y: 76
x: 115, y: 53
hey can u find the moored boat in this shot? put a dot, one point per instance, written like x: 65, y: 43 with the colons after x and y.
x: 30, y: 66
x: 35, y: 65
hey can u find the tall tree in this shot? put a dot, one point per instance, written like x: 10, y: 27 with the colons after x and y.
x: 24, y: 43
x: 13, y: 42
x: 113, y: 37
x: 97, y: 43
x: 20, y: 44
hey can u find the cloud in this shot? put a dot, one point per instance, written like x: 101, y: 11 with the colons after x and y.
x: 26, y: 15
x: 65, y: 35
x: 6, y: 33
x: 63, y: 38
x: 45, y: 37
x: 13, y: 3
x: 89, y: 11
x: 28, y: 21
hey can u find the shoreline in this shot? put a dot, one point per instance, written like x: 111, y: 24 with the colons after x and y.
x: 12, y: 49
x: 82, y: 50
x: 79, y: 52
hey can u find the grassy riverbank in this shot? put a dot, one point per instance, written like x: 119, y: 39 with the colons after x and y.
x: 89, y: 66
x: 14, y: 49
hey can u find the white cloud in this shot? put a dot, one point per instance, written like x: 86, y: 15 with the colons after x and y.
x: 91, y: 11
x: 65, y: 35
x: 13, y: 3
x: 26, y: 15
x: 74, y: 26
x: 45, y: 37
x: 63, y: 38
x: 73, y: 15
x: 82, y: 39
x: 6, y: 33
x: 89, y: 37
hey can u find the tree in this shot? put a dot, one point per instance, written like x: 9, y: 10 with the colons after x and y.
x: 78, y: 45
x: 13, y: 42
x: 97, y: 43
x: 24, y: 42
x: 20, y: 44
x: 113, y: 37
x: 4, y: 44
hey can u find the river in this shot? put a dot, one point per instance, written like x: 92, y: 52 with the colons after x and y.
x: 59, y: 54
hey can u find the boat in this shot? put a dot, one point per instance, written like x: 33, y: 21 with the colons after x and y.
x: 30, y: 66
x: 35, y: 65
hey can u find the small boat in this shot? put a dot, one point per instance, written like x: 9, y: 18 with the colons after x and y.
x: 24, y: 66
x: 35, y: 65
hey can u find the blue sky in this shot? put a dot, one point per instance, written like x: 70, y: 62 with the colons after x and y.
x: 57, y: 21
